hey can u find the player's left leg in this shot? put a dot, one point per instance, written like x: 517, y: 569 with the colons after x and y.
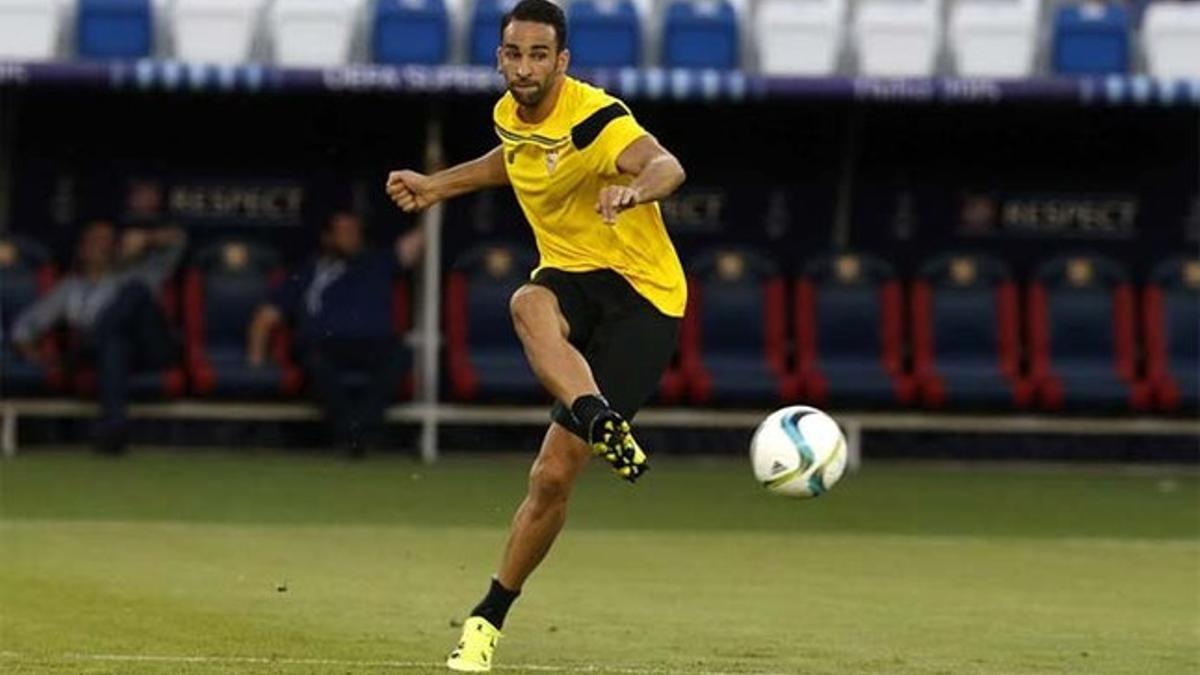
x: 537, y: 523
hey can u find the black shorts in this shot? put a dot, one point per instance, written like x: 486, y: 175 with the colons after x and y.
x: 624, y: 338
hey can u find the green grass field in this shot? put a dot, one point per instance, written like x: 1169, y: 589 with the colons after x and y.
x: 211, y: 562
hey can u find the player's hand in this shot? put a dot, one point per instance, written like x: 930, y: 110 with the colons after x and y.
x: 410, y: 190
x: 615, y: 199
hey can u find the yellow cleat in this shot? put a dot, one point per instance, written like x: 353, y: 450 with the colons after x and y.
x: 475, y: 648
x: 612, y: 439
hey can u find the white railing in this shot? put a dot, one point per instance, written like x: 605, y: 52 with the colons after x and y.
x: 429, y: 416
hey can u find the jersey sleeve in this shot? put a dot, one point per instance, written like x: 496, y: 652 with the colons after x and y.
x: 605, y: 134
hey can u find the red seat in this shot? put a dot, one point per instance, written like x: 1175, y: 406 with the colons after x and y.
x: 733, y: 343
x: 966, y: 334
x: 850, y: 332
x: 1081, y: 336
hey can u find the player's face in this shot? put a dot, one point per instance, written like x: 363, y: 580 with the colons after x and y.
x: 530, y: 60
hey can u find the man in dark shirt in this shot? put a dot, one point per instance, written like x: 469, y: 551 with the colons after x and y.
x: 340, y: 307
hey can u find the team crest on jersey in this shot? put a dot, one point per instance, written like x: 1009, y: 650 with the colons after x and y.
x: 551, y: 160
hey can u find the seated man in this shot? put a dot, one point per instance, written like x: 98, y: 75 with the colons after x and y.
x: 109, y: 299
x: 341, y: 307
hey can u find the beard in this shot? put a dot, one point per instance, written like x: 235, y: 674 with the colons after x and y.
x: 530, y: 94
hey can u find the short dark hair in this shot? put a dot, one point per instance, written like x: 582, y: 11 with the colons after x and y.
x: 538, y: 11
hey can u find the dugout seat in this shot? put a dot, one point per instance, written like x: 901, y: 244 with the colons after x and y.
x: 114, y: 29
x: 29, y: 29
x: 604, y: 33
x: 994, y: 38
x: 966, y: 334
x: 224, y: 285
x: 1172, y: 328
x: 26, y: 273
x: 312, y: 33
x: 733, y: 347
x: 485, y: 360
x: 1081, y: 335
x: 850, y: 331
x: 700, y: 34
x: 897, y: 38
x: 1091, y: 38
x: 411, y: 31
x: 800, y: 37
x: 1171, y: 34
x: 214, y: 31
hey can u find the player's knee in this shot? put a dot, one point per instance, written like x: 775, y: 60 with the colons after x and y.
x: 527, y: 304
x: 550, y: 482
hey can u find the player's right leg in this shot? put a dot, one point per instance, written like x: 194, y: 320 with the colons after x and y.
x: 545, y: 331
x: 545, y: 334
x: 537, y: 523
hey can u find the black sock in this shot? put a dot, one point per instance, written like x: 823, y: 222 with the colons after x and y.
x: 494, y: 606
x: 587, y: 407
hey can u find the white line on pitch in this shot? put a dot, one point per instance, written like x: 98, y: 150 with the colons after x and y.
x: 407, y: 665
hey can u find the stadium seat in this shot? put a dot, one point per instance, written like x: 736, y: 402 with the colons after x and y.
x: 1081, y: 333
x: 214, y: 31
x: 115, y: 29
x: 410, y: 31
x: 700, y: 34
x: 1091, y: 39
x: 312, y: 32
x: 485, y: 30
x: 994, y: 38
x: 966, y: 334
x: 733, y: 347
x: 897, y: 38
x: 401, y: 323
x: 29, y: 29
x: 800, y: 37
x: 1171, y: 34
x: 850, y: 331
x: 605, y: 33
x: 25, y: 274
x: 224, y: 285
x: 1172, y: 329
x: 485, y: 360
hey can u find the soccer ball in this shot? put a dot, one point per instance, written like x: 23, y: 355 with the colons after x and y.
x: 798, y: 451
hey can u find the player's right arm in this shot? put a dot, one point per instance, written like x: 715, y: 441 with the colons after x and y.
x: 414, y: 191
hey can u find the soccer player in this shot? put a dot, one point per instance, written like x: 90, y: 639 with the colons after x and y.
x: 600, y: 317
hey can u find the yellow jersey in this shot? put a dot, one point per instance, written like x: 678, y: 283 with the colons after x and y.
x: 557, y: 169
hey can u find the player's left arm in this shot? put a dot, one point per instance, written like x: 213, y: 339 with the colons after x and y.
x: 657, y: 173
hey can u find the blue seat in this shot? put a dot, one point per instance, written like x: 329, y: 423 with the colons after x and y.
x: 1082, y: 325
x: 225, y: 284
x: 25, y: 273
x: 966, y: 334
x: 605, y: 34
x: 1091, y: 39
x: 733, y: 346
x: 115, y: 29
x: 700, y: 34
x: 1172, y: 330
x: 485, y: 30
x: 410, y: 31
x: 850, y: 332
x: 485, y: 359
